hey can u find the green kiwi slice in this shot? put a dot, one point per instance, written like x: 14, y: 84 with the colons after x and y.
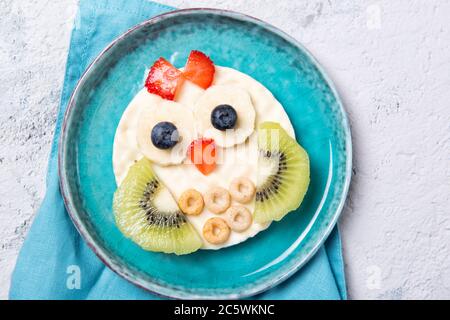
x: 146, y: 212
x: 283, y: 173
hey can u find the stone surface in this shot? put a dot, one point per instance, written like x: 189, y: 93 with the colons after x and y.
x: 390, y: 61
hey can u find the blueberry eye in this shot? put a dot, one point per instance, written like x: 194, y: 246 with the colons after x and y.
x: 164, y: 135
x: 223, y: 117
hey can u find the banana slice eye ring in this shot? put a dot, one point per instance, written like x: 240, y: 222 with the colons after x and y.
x: 231, y: 103
x: 168, y: 117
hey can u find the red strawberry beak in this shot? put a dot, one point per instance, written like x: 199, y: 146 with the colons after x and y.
x: 202, y: 153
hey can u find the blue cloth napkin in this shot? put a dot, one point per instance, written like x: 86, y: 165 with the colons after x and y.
x: 54, y: 252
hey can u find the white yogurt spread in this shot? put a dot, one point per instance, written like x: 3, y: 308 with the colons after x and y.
x: 237, y: 161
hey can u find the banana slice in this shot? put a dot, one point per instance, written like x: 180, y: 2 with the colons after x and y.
x: 166, y: 111
x: 233, y: 96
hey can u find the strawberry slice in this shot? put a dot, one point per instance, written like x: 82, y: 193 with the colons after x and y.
x: 202, y: 153
x: 199, y: 69
x: 164, y: 79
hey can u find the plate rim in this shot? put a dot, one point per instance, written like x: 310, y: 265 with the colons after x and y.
x: 170, y: 292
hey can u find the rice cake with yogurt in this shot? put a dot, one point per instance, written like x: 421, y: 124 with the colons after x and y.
x: 239, y: 160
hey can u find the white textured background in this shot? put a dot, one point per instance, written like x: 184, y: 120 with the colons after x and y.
x: 391, y: 63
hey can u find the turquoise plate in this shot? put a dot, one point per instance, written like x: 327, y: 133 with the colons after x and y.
x: 257, y: 49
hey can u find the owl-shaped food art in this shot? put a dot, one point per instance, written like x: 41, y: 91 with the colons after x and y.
x: 204, y: 157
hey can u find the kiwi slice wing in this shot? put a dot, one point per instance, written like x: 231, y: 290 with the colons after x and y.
x: 146, y: 212
x: 283, y: 173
